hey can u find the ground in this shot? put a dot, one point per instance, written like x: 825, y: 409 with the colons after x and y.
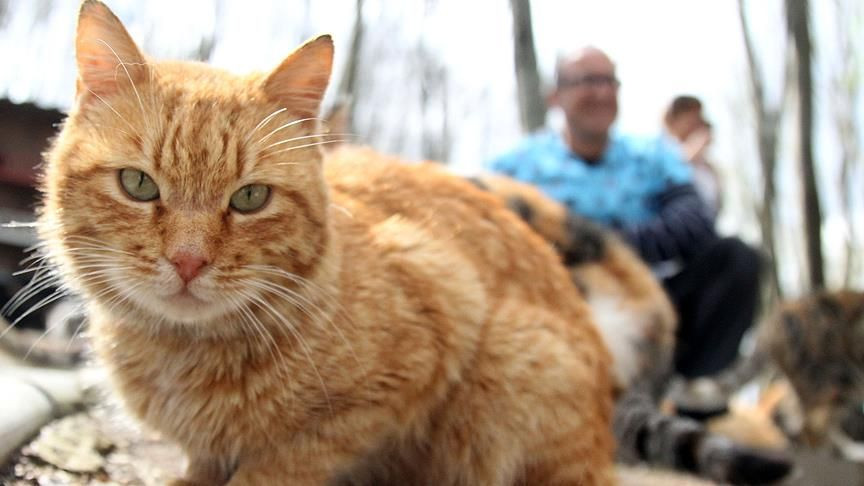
x: 100, y: 447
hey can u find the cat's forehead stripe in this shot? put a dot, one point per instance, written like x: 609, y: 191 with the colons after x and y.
x: 196, y: 134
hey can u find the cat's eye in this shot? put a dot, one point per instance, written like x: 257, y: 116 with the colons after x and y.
x: 250, y: 198
x: 138, y: 185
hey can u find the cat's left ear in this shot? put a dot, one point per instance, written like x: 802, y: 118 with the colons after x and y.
x: 299, y: 82
x: 108, y: 59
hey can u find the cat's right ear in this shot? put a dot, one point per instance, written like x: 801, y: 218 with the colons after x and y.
x: 107, y: 57
x: 300, y: 81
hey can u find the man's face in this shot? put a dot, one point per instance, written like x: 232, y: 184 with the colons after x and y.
x: 587, y: 92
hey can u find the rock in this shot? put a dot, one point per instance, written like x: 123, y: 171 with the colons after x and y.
x: 75, y: 444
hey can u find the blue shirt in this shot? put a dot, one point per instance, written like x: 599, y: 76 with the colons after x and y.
x: 620, y: 189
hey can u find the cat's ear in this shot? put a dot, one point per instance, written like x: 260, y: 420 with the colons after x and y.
x: 300, y: 81
x: 107, y: 57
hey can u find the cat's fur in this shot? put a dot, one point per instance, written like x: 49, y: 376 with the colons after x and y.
x: 374, y: 323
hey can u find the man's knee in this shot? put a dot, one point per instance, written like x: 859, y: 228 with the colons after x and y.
x: 745, y: 261
x: 733, y: 257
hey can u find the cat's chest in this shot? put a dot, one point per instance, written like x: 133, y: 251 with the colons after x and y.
x: 196, y: 392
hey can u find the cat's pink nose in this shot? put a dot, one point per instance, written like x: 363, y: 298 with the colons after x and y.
x: 188, y: 265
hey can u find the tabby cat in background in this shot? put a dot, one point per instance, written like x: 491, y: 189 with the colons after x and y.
x: 817, y: 343
x: 290, y: 321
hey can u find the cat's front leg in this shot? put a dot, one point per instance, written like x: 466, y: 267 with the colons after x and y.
x: 306, y: 462
x: 296, y: 472
x: 203, y: 471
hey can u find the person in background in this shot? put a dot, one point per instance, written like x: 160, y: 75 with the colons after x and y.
x: 685, y: 123
x: 643, y: 188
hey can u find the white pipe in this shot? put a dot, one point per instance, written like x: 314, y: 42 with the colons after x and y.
x: 31, y: 397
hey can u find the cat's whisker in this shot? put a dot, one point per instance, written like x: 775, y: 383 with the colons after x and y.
x: 39, y: 267
x: 106, y: 127
x: 35, y: 263
x: 38, y: 244
x: 343, y: 210
x: 93, y: 262
x: 36, y: 285
x: 263, y: 122
x: 282, y: 323
x: 305, y: 145
x: 33, y: 267
x: 57, y: 295
x: 252, y: 328
x: 291, y: 298
x: 308, y: 284
x: 128, y: 76
x: 108, y: 280
x: 36, y: 259
x: 20, y: 298
x: 80, y: 308
x: 154, y: 104
x: 297, y: 299
x: 285, y: 293
x: 85, y: 238
x: 103, y: 264
x: 287, y: 125
x: 113, y: 110
x: 306, y: 137
x: 93, y: 243
x: 118, y: 298
x: 39, y: 339
x: 47, y: 331
x: 257, y: 329
x: 36, y: 255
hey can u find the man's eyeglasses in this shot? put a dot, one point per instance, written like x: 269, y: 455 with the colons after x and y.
x: 590, y: 81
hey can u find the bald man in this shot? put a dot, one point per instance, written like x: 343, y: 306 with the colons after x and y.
x: 643, y: 188
x: 587, y: 92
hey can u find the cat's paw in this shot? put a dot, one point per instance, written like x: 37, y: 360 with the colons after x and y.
x: 723, y: 460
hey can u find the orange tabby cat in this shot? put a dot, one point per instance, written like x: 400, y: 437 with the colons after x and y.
x: 290, y: 321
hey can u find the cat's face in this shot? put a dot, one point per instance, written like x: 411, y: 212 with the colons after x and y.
x: 183, y: 191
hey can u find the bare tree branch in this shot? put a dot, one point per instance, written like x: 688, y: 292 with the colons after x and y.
x: 798, y: 18
x: 767, y: 131
x: 846, y: 95
x: 532, y: 108
x: 348, y: 84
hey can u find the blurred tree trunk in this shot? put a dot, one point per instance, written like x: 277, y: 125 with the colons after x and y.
x: 847, y: 94
x: 344, y: 108
x: 208, y: 41
x: 435, y: 135
x: 767, y: 132
x: 532, y: 107
x: 434, y: 110
x: 798, y: 19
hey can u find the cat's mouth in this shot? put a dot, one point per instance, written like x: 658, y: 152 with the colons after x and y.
x: 186, y: 297
x: 200, y: 301
x: 186, y: 305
